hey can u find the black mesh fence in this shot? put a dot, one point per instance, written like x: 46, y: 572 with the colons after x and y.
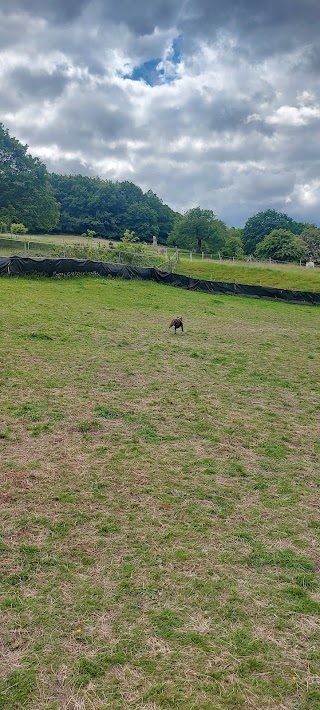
x: 16, y: 265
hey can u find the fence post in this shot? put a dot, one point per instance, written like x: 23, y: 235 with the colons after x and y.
x: 25, y: 249
x: 191, y: 256
x: 202, y: 255
x: 233, y: 258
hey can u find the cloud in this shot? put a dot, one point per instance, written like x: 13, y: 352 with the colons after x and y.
x: 204, y: 102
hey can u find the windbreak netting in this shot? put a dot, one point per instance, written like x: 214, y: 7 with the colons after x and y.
x: 16, y: 265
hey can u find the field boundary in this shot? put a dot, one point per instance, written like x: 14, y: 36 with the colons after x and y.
x: 20, y: 266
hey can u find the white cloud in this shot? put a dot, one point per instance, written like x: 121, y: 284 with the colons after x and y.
x: 294, y: 115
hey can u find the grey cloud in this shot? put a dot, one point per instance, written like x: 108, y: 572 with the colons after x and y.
x: 150, y: 135
x: 37, y: 84
x: 59, y: 10
x: 143, y: 17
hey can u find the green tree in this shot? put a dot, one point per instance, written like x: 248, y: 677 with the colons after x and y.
x: 129, y: 237
x: 311, y: 237
x: 143, y: 220
x: 109, y: 208
x: 233, y: 246
x: 18, y: 228
x: 166, y: 217
x: 198, y: 229
x: 25, y: 190
x: 281, y: 245
x: 263, y: 223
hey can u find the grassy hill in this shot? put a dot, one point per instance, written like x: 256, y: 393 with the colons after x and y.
x: 159, y: 511
x: 289, y: 276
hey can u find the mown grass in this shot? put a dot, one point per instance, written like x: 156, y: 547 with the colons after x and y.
x: 159, y: 511
x: 289, y: 276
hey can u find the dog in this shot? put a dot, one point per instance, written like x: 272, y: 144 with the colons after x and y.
x: 177, y: 323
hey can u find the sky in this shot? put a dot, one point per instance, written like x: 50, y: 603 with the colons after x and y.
x: 210, y: 103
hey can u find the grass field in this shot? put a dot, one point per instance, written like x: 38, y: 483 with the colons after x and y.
x: 288, y: 276
x: 159, y: 503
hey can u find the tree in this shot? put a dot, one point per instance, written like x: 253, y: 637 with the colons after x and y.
x: 143, y: 220
x: 198, y: 229
x: 281, y: 245
x: 18, y: 228
x: 233, y: 246
x: 165, y: 215
x: 25, y: 190
x: 311, y: 237
x: 129, y: 237
x: 90, y: 234
x: 263, y: 223
x: 109, y: 208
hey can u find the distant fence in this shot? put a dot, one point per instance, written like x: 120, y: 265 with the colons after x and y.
x: 16, y: 266
x: 94, y: 251
x: 99, y: 250
x: 203, y: 256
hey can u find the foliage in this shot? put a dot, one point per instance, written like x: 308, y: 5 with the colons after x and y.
x: 90, y: 233
x: 18, y: 228
x: 233, y: 245
x: 311, y: 236
x: 198, y: 229
x: 109, y: 208
x: 136, y: 254
x: 129, y: 237
x: 3, y: 227
x: 263, y: 223
x: 281, y: 245
x: 25, y: 190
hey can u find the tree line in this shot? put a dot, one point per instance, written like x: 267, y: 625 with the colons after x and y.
x: 31, y: 199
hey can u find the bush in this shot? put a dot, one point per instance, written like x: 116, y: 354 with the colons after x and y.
x: 18, y: 228
x: 90, y: 234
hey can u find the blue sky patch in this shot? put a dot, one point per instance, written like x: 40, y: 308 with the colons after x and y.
x: 160, y: 70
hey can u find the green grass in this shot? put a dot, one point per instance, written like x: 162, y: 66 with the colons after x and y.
x: 289, y: 276
x: 159, y: 527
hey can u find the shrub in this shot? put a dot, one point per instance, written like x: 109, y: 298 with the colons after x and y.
x: 18, y: 228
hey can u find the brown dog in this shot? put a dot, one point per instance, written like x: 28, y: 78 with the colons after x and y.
x: 177, y: 323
